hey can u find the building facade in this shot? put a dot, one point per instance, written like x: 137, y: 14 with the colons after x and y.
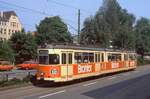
x: 9, y: 24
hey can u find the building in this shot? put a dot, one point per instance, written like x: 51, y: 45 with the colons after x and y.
x: 9, y: 24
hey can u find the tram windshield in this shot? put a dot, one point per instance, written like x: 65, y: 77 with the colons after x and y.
x: 49, y: 59
x: 53, y: 59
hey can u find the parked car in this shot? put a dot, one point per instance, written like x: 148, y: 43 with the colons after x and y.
x: 5, y: 66
x: 27, y: 65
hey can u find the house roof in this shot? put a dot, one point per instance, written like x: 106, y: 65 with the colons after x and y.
x: 6, y: 15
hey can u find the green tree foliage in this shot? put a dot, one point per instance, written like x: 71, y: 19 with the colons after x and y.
x: 88, y: 34
x: 53, y: 30
x: 24, y: 46
x: 142, y: 32
x: 6, y: 52
x: 110, y: 23
x: 124, y: 37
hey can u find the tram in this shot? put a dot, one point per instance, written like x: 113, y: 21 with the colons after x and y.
x: 62, y: 63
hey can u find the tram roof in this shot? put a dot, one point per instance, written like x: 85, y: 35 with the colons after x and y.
x: 79, y: 47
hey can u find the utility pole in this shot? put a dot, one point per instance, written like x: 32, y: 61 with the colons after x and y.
x: 78, y: 26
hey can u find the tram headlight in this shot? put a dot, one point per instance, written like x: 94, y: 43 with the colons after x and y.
x: 42, y: 74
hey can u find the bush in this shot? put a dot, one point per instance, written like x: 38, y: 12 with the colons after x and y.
x: 141, y: 61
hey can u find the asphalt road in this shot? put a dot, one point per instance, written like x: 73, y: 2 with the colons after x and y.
x: 127, y: 85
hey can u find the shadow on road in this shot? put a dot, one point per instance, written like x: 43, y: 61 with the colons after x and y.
x: 137, y: 88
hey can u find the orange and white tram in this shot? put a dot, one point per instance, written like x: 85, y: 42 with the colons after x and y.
x: 61, y: 63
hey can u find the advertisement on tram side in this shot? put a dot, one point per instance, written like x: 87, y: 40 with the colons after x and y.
x: 83, y: 68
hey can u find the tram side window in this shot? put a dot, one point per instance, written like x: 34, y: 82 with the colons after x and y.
x: 63, y: 57
x: 102, y: 57
x: 70, y: 58
x: 53, y: 59
x: 85, y: 57
x: 97, y: 57
x: 91, y: 57
x: 114, y: 57
x: 43, y: 60
x: 78, y: 57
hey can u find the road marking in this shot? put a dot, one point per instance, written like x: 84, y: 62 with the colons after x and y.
x: 110, y: 78
x: 90, y: 84
x: 52, y: 94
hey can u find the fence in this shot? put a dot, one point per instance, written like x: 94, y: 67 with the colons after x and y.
x: 19, y: 74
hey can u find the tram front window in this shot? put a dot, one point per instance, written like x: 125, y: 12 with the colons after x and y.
x: 43, y: 60
x: 53, y: 59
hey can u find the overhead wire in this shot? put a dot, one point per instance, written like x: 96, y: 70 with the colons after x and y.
x: 69, y: 6
x: 36, y: 11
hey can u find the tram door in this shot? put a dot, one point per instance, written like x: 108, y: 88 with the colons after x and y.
x: 67, y: 68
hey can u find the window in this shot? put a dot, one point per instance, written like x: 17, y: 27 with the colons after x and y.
x: 102, y: 57
x: 78, y: 57
x: 97, y: 57
x: 53, y: 59
x: 1, y: 30
x: 4, y: 31
x: 70, y: 58
x: 63, y: 58
x: 14, y: 24
x: 84, y: 57
x: 114, y: 57
x: 43, y: 60
x: 91, y: 57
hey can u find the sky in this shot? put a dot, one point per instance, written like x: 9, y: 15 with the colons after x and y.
x: 31, y: 12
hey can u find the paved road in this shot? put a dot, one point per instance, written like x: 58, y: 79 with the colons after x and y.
x: 128, y: 85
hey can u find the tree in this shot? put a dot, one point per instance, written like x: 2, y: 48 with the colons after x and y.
x: 88, y: 34
x: 142, y: 32
x: 24, y: 46
x: 6, y: 52
x: 111, y: 23
x: 124, y: 38
x: 53, y: 30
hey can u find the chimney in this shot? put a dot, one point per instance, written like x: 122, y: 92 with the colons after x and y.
x: 1, y: 13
